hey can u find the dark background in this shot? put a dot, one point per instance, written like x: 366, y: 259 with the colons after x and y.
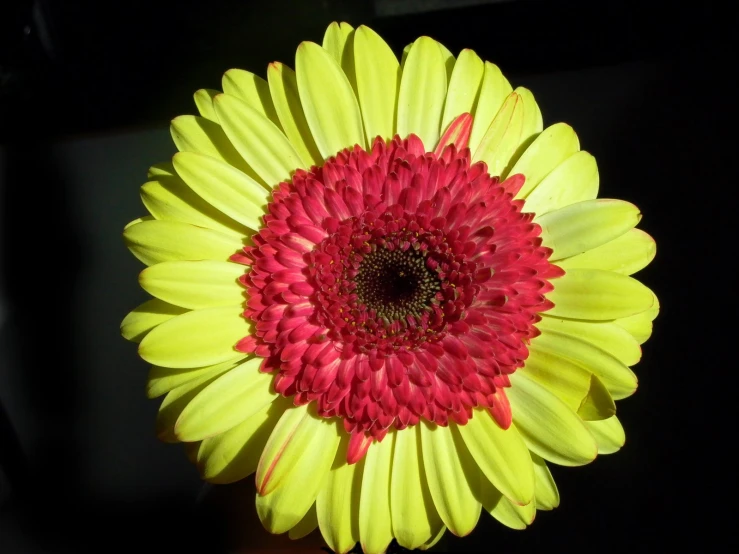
x: 87, y: 89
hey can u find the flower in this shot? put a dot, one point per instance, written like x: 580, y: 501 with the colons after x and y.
x: 386, y: 290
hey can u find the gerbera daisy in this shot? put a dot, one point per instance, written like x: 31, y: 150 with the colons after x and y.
x: 388, y: 291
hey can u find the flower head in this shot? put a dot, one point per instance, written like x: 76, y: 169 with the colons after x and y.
x: 388, y: 291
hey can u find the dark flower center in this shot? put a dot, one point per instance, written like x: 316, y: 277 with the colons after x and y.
x: 395, y: 283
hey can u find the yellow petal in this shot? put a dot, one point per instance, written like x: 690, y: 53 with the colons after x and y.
x: 605, y: 335
x: 501, y: 455
x: 197, y: 134
x: 178, y: 399
x: 162, y: 169
x: 331, y: 108
x: 291, y: 471
x: 305, y: 526
x: 640, y: 325
x: 197, y: 338
x: 375, y: 525
x: 137, y: 324
x: 168, y: 198
x: 608, y: 433
x: 259, y: 141
x: 451, y: 474
x: 448, y: 58
x: 503, y: 136
x: 414, y: 517
x: 194, y: 285
x: 547, y: 495
x: 619, y: 379
x: 233, y: 455
x: 598, y: 295
x: 228, y: 401
x: 549, y: 428
x: 464, y: 85
x: 283, y: 86
x: 580, y: 227
x: 337, y: 504
x: 626, y: 254
x: 501, y: 508
x: 154, y: 242
x: 378, y: 75
x: 161, y: 379
x: 562, y: 377
x: 552, y: 147
x: 334, y: 39
x: 422, y: 92
x: 432, y: 542
x: 532, y: 124
x: 204, y: 102
x: 494, y: 89
x: 226, y: 188
x: 574, y: 180
x: 598, y: 404
x: 253, y: 90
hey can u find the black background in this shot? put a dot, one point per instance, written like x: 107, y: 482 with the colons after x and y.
x: 86, y: 92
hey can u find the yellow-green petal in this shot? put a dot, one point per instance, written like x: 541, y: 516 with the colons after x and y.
x: 335, y: 39
x: 253, y: 90
x: 609, y: 434
x: 195, y: 284
x: 574, y: 180
x: 197, y: 338
x: 197, y: 134
x: 228, y: 401
x: 580, y: 227
x: 178, y: 399
x: 432, y: 542
x: 605, y: 335
x: 562, y: 377
x: 552, y: 147
x: 547, y: 495
x: 598, y: 295
x: 161, y: 379
x: 501, y: 508
x: 423, y: 87
x: 154, y: 242
x: 162, y: 169
x: 618, y: 378
x: 283, y: 86
x: 378, y: 78
x: 337, y: 503
x: 412, y: 510
x: 501, y: 455
x: 463, y: 86
x: 450, y: 482
x: 168, y: 198
x: 549, y: 428
x: 375, y: 524
x: 291, y: 471
x: 226, y: 188
x: 234, y: 454
x: 626, y: 254
x: 598, y: 403
x: 330, y: 106
x: 494, y: 89
x: 305, y: 526
x: 142, y: 319
x: 640, y: 325
x: 259, y: 141
x: 204, y: 102
x: 503, y: 136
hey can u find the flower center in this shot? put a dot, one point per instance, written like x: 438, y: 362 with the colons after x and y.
x: 396, y: 284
